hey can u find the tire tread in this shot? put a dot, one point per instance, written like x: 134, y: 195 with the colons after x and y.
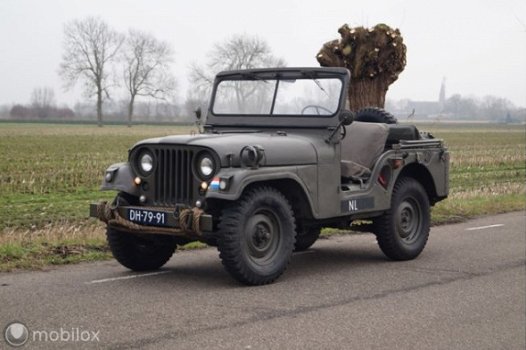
x: 230, y: 250
x: 384, y: 225
x: 375, y: 115
x: 124, y: 250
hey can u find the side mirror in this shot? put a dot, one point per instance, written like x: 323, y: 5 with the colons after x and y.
x: 198, y: 113
x: 346, y: 117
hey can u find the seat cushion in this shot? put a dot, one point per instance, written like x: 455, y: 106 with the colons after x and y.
x: 362, y: 146
x: 352, y: 169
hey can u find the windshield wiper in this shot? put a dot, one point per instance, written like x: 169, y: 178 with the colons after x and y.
x: 321, y: 87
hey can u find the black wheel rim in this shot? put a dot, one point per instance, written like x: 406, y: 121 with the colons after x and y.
x: 409, y: 220
x: 263, y: 237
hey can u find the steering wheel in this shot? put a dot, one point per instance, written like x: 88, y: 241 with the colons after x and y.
x: 317, y: 108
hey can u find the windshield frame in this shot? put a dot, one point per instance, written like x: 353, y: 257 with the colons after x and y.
x: 275, y: 75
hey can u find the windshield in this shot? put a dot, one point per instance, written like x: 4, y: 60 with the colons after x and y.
x: 314, y: 97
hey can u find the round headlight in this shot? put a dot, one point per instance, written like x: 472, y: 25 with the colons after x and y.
x: 146, y: 162
x: 206, y: 166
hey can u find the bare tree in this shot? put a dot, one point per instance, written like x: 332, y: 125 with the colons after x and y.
x: 496, y: 108
x: 90, y: 46
x: 43, y: 97
x: 43, y: 101
x: 146, y: 68
x: 241, y: 51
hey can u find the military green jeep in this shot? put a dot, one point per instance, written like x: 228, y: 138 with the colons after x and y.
x: 278, y: 158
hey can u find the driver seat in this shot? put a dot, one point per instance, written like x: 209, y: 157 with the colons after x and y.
x: 361, y: 148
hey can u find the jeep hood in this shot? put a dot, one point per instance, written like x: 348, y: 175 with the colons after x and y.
x: 279, y: 149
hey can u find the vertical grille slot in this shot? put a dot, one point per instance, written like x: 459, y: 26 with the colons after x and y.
x: 173, y: 179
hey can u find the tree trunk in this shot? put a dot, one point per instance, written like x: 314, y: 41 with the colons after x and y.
x: 130, y: 110
x: 99, y: 107
x: 367, y: 93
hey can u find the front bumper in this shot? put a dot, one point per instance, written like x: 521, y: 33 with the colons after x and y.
x: 185, y: 222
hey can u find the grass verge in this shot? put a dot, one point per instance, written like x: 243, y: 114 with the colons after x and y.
x: 58, y: 245
x: 53, y: 245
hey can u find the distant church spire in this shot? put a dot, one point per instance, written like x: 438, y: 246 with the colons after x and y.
x: 442, y: 95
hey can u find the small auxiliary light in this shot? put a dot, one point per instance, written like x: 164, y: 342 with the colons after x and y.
x: 204, y: 186
x: 109, y: 176
x: 142, y: 199
x: 224, y: 182
x: 137, y: 181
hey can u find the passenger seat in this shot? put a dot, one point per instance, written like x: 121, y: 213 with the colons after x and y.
x: 361, y: 148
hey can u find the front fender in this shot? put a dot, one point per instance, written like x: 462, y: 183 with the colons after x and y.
x: 241, y: 178
x: 122, y: 177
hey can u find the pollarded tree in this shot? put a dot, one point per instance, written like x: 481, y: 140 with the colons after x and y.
x: 146, y: 68
x: 374, y: 56
x: 90, y: 46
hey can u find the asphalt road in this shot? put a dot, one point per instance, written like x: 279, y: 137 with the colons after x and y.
x: 466, y: 291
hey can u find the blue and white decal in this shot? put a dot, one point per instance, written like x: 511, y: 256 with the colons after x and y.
x: 214, y: 185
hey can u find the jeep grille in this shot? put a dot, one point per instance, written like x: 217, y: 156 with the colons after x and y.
x: 173, y: 178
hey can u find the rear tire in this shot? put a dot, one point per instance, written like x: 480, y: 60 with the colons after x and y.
x: 256, y: 236
x: 305, y: 240
x: 140, y: 252
x: 402, y: 232
x: 375, y: 115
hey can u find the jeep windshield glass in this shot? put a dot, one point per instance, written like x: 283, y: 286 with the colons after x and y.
x: 307, y: 97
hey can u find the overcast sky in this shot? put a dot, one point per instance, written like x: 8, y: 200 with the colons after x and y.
x: 478, y: 45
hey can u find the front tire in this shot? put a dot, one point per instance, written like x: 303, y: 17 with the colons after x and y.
x: 402, y: 232
x: 256, y: 236
x: 140, y: 252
